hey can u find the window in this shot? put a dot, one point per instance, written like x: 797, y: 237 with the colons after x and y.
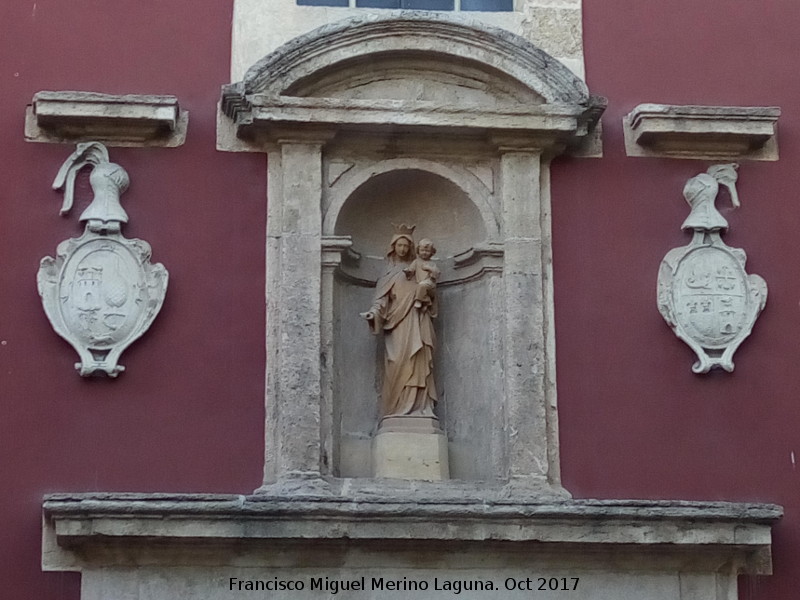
x: 471, y: 5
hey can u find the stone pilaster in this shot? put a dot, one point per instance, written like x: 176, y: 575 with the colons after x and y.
x: 293, y: 437
x: 332, y: 249
x: 524, y: 326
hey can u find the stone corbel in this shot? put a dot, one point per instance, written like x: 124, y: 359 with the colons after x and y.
x: 702, y: 132
x: 129, y: 120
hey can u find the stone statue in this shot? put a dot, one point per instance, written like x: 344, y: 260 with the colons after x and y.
x: 704, y: 293
x: 403, y: 309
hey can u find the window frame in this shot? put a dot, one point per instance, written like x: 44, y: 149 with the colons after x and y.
x: 457, y: 5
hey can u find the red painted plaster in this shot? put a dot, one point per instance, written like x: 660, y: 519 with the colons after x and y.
x: 187, y: 415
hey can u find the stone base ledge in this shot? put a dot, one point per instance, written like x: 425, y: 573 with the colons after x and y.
x: 90, y: 531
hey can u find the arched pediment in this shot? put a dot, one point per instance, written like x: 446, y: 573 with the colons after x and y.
x: 418, y: 73
x: 325, y: 57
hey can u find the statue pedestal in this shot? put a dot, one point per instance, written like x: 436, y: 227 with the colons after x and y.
x: 410, y: 448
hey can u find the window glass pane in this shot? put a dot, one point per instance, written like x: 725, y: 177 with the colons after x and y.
x: 378, y: 3
x: 488, y: 5
x: 323, y: 2
x: 428, y: 4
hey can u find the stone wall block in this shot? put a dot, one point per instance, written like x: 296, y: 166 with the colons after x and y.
x: 522, y: 256
x: 525, y: 375
x: 520, y: 193
x: 300, y: 342
x: 302, y: 185
x: 561, y: 26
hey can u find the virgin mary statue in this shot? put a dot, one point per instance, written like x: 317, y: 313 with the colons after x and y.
x: 408, y: 387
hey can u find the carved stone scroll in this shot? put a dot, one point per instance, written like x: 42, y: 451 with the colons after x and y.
x: 101, y: 292
x: 704, y: 292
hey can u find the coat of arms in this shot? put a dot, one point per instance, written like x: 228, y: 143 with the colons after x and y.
x: 100, y: 293
x: 704, y: 292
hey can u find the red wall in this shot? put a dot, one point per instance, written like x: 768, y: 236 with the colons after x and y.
x: 188, y: 413
x: 635, y: 421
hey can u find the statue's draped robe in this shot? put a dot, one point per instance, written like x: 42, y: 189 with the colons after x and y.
x: 408, y: 387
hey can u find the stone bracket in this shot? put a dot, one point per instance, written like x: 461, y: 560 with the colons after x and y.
x: 702, y: 132
x: 69, y: 117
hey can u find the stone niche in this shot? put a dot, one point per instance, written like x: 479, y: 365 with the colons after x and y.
x: 424, y: 121
x: 434, y: 196
x: 411, y: 119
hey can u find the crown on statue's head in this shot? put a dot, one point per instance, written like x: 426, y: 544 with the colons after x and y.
x: 404, y: 229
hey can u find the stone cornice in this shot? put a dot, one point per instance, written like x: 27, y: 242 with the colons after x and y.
x: 702, y: 132
x: 257, y: 118
x: 94, y: 524
x: 114, y: 120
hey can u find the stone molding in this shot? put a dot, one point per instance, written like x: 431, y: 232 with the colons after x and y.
x: 286, y: 67
x: 702, y: 132
x: 470, y: 265
x: 85, y: 530
x: 272, y: 97
x: 68, y: 117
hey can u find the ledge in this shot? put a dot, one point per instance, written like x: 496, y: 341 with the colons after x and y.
x: 91, y: 529
x: 130, y: 120
x: 702, y: 132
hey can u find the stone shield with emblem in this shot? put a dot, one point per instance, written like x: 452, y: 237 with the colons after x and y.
x: 704, y: 292
x: 101, y: 292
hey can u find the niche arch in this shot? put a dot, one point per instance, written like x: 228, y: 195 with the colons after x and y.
x: 477, y: 190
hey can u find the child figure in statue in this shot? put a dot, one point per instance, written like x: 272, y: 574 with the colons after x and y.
x: 426, y: 274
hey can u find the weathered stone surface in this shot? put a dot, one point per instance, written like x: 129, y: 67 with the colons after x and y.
x: 83, y: 517
x: 436, y: 535
x: 358, y: 528
x: 457, y: 139
x: 128, y: 120
x: 702, y: 132
x: 560, y: 25
x: 472, y: 80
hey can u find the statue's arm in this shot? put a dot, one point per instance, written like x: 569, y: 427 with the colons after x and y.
x: 375, y: 315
